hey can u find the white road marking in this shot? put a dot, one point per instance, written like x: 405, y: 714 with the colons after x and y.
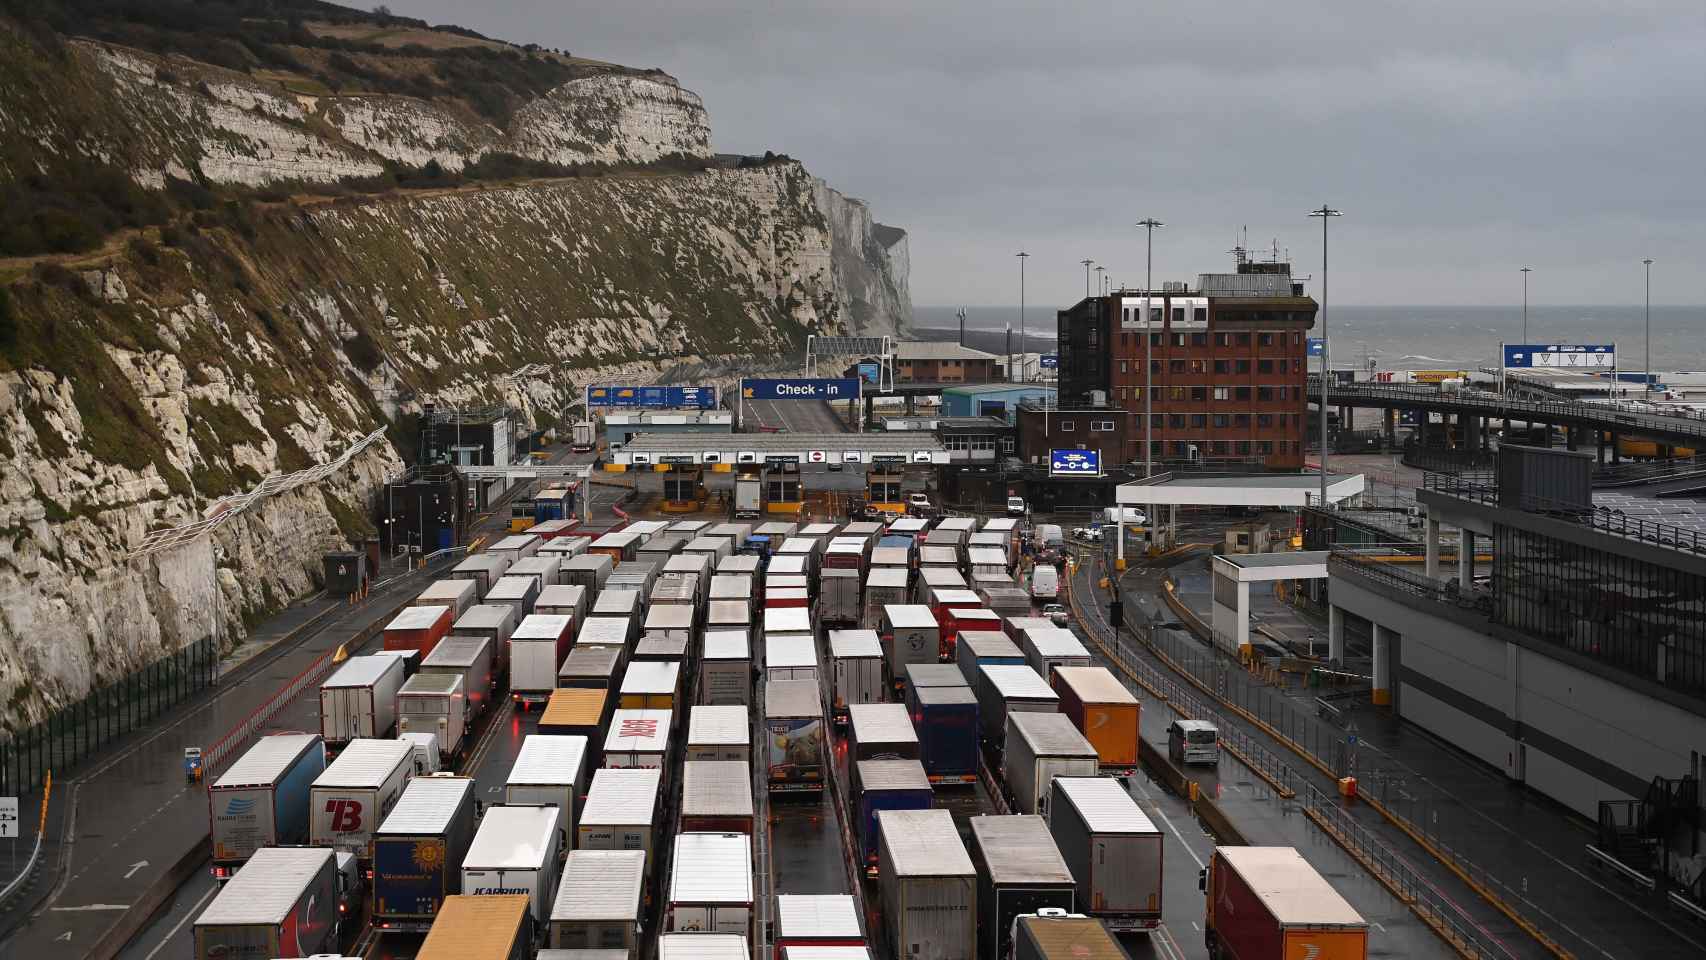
x: 190, y: 914
x: 92, y: 907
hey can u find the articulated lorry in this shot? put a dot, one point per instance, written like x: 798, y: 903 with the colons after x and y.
x: 262, y: 800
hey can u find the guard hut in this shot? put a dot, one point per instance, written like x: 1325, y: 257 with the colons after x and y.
x: 1232, y: 578
x: 1255, y: 491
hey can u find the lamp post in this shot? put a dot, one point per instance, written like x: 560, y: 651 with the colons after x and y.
x: 1325, y: 213
x: 1647, y: 385
x: 1525, y: 272
x: 1148, y: 224
x: 1086, y: 262
x: 1023, y: 256
x: 1102, y: 279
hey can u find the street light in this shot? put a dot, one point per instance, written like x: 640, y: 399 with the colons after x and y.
x: 1023, y: 256
x: 1086, y: 262
x: 1148, y: 224
x: 1647, y: 386
x: 1325, y: 213
x: 1525, y: 272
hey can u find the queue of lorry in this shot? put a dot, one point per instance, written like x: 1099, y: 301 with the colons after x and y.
x: 685, y: 677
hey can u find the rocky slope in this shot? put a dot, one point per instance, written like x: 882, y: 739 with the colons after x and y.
x: 181, y: 364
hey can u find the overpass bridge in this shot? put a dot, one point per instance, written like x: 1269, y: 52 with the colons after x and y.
x: 1601, y: 424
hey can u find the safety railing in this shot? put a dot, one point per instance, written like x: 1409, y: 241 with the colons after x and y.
x: 239, y: 736
x: 1373, y: 562
x: 1611, y: 414
x: 35, y: 850
x: 1480, y: 488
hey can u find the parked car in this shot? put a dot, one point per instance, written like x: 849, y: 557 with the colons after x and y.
x: 918, y: 501
x: 1015, y: 506
x: 1058, y: 613
x: 1088, y: 534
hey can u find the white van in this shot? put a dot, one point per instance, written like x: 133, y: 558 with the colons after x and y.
x: 1045, y: 582
x: 1048, y: 535
x: 1193, y: 741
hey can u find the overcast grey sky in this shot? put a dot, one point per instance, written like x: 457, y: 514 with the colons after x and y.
x: 1462, y: 139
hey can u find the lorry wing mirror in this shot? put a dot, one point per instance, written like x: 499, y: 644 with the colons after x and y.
x: 1202, y: 879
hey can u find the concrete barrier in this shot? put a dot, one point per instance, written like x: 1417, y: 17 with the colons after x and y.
x: 143, y: 909
x: 1218, y: 823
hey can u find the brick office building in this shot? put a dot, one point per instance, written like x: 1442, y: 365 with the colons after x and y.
x: 1227, y: 370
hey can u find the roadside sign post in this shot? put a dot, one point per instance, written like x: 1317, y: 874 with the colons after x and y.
x: 9, y: 826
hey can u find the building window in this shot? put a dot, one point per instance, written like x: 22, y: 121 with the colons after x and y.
x: 1101, y: 426
x: 1223, y: 393
x: 1156, y: 316
x: 1223, y: 366
x: 1199, y: 366
x: 1199, y: 420
x: 1006, y: 444
x: 1155, y: 340
x: 1265, y: 447
x: 1223, y: 339
x: 1243, y: 339
x: 983, y: 442
x: 1179, y: 315
x: 1199, y: 339
x: 1122, y: 366
x: 1241, y: 393
x: 1284, y: 392
x: 1240, y: 420
x: 1154, y: 366
x: 1127, y: 315
x: 1178, y: 393
x: 1243, y: 448
x: 1264, y: 366
x: 1297, y: 339
x: 1122, y: 394
x: 1220, y: 420
x: 1243, y: 366
x: 1201, y: 314
x: 1264, y: 419
x: 1265, y: 340
x: 1064, y: 426
x: 954, y: 442
x: 1264, y: 393
x: 1199, y: 394
x: 1178, y: 339
x: 1176, y: 366
x: 1296, y: 365
x: 1181, y: 448
x: 1176, y: 421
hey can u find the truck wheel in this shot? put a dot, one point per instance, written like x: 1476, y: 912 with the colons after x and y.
x: 1212, y: 943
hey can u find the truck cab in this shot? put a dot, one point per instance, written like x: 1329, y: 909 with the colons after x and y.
x: 352, y: 889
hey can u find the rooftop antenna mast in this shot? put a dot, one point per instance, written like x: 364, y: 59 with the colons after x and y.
x: 962, y: 316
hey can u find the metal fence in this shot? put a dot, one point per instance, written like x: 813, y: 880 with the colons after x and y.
x: 76, y: 730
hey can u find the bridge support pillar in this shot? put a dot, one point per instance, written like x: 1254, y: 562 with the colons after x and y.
x: 1465, y: 560
x: 1431, y: 555
x: 1389, y: 423
x: 1572, y: 437
x: 909, y: 404
x: 1616, y: 448
x: 870, y: 410
x: 1381, y: 695
x: 1471, y: 431
x: 1335, y: 634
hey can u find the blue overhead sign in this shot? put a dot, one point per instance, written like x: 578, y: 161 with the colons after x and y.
x: 657, y: 398
x: 1317, y: 346
x: 1049, y: 361
x: 1565, y: 356
x: 801, y: 388
x: 1075, y: 463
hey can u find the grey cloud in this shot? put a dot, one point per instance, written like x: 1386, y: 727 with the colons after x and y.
x: 1462, y: 138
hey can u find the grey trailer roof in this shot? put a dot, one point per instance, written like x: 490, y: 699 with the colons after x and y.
x: 549, y: 759
x: 776, y: 528
x: 893, y: 775
x: 774, y: 581
x: 908, y: 525
x: 792, y: 699
x: 739, y: 563
x: 888, y: 557
x: 619, y: 539
x: 638, y: 731
x: 622, y: 796
x: 854, y: 643
x: 1004, y: 524
x: 921, y: 675
x: 535, y: 566
x: 542, y: 626
x: 362, y: 671
x: 266, y: 761
x: 587, y: 953
x: 709, y: 544
x: 688, y: 563
x: 562, y: 595
x: 601, y: 885
x: 512, y: 837
x: 727, y: 612
x: 652, y: 676
x: 688, y: 526
x: 731, y: 586
x: 719, y: 725
x: 482, y: 562
x: 787, y: 564
x: 967, y: 524
x: 957, y: 596
x: 881, y: 723
x: 365, y: 762
x: 787, y: 620
x: 702, y: 946
x: 515, y: 541
x: 819, y: 529
x: 608, y: 631
x: 670, y: 616
x: 936, y: 559
x: 511, y: 588
x: 590, y: 561
x: 1020, y: 624
x: 485, y: 616
x: 827, y: 916
x: 909, y: 616
x: 1095, y: 685
x: 266, y: 888
x: 1055, y: 642
x: 990, y: 538
x: 427, y: 806
x: 590, y: 660
x: 1015, y: 681
x: 790, y: 651
x: 1105, y: 805
x: 937, y: 695
x: 1019, y: 850
x: 988, y: 643
x: 618, y: 603
x: 726, y: 645
x: 456, y: 652
x: 419, y: 618
x: 716, y: 788
x: 445, y: 591
x: 711, y: 868
x: 886, y: 577
x: 1050, y: 734
x: 988, y: 557
x: 924, y: 843
x: 430, y: 684
x: 661, y: 648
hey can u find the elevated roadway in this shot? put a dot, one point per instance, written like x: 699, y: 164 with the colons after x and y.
x: 1685, y: 427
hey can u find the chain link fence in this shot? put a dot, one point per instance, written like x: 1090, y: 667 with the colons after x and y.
x: 76, y: 730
